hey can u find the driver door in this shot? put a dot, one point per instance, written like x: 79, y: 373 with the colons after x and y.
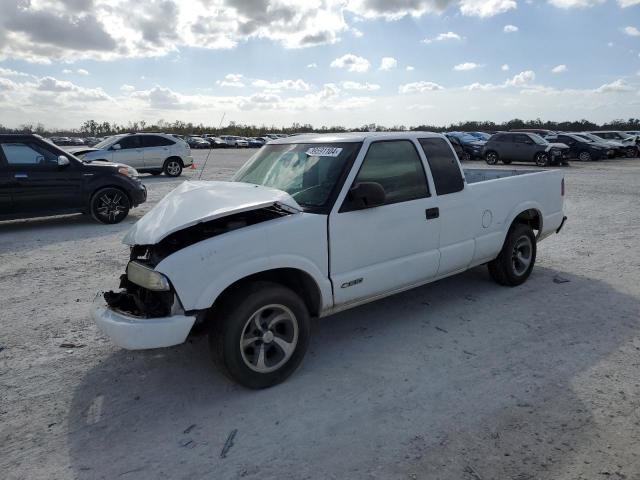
x: 130, y: 153
x: 381, y: 249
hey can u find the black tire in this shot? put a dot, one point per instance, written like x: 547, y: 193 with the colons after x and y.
x: 172, y: 167
x: 542, y: 159
x: 585, y: 156
x: 234, y: 320
x: 631, y: 152
x: 491, y: 157
x: 506, y: 162
x: 109, y: 205
x: 509, y: 270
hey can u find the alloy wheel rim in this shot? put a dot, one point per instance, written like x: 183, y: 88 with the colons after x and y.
x: 110, y: 206
x: 173, y: 168
x: 584, y: 156
x: 492, y: 158
x: 269, y: 338
x: 522, y: 255
x: 542, y: 159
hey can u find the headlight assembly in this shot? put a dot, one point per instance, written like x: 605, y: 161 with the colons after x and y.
x: 128, y: 171
x: 147, y: 277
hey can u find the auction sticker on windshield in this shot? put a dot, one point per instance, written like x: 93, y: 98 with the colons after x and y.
x: 324, y: 152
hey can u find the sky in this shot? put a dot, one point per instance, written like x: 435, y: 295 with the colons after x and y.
x: 324, y: 62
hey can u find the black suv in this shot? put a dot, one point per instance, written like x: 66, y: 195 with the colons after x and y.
x: 523, y: 147
x: 38, y: 179
x: 582, y: 149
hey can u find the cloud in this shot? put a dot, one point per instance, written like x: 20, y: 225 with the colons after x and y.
x: 410, y: 68
x: 632, y: 31
x: 559, y: 69
x: 505, y: 68
x: 486, y: 8
x: 464, y: 67
x: 232, y: 80
x: 127, y: 88
x: 617, y: 86
x: 628, y: 3
x: 388, y: 63
x: 420, y: 87
x: 298, y: 85
x: 162, y: 98
x: 370, y: 87
x: 394, y: 10
x: 82, y: 71
x: 442, y: 37
x: 312, y: 65
x: 7, y: 84
x: 352, y: 63
x: 510, y: 29
x: 522, y: 78
x: 566, y: 4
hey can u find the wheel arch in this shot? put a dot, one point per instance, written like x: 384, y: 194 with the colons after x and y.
x: 301, y: 282
x: 170, y: 157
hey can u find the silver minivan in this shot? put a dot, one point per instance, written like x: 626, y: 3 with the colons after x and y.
x: 146, y: 152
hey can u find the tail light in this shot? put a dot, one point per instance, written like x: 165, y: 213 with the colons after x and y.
x: 562, y: 187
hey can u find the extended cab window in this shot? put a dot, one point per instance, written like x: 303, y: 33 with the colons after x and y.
x: 28, y: 154
x: 397, y: 167
x: 443, y: 164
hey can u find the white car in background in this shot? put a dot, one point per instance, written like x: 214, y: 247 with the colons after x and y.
x: 235, y: 141
x: 153, y: 153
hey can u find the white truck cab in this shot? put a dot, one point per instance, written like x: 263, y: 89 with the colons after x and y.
x: 312, y: 225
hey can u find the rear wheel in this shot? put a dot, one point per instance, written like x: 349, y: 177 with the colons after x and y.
x: 517, y: 257
x: 110, y: 205
x: 542, y: 159
x: 631, y: 152
x: 172, y: 167
x: 491, y: 158
x: 260, y: 334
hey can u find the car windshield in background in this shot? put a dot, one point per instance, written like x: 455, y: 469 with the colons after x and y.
x: 105, y: 142
x: 308, y: 172
x: 538, y: 139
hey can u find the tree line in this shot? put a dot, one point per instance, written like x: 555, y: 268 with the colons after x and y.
x: 101, y: 129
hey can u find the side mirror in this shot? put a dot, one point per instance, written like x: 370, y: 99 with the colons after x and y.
x: 63, y: 161
x: 116, y: 147
x: 367, y: 195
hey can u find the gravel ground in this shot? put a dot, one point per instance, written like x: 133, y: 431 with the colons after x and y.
x: 461, y: 379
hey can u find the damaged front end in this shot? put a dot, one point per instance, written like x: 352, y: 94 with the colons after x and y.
x: 148, y: 294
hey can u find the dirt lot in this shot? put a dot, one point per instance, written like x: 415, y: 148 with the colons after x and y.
x: 461, y: 379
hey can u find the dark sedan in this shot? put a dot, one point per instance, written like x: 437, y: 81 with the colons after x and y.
x: 582, y: 149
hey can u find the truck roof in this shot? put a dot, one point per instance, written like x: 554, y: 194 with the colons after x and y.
x: 351, y: 137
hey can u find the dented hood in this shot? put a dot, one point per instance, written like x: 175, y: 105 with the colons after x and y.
x: 196, y: 202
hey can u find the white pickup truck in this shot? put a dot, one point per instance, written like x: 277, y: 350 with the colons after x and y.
x: 312, y: 225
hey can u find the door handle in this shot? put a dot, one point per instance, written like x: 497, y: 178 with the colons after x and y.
x: 432, y: 213
x: 21, y: 175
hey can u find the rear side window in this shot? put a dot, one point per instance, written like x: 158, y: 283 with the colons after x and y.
x: 443, y: 164
x: 500, y: 137
x: 155, y: 141
x: 397, y: 167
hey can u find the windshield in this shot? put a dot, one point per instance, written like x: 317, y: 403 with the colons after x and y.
x: 309, y: 172
x: 106, y: 142
x: 538, y: 139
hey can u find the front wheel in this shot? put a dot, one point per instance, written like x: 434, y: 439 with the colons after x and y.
x: 110, y: 205
x: 172, y: 167
x: 584, y: 156
x: 631, y: 152
x: 515, y: 262
x: 491, y: 158
x: 542, y: 159
x: 260, y: 334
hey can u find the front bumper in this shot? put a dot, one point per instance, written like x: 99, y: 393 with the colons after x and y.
x: 136, y: 333
x: 139, y: 194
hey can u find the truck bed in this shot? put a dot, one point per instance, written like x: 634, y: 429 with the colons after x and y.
x: 476, y: 175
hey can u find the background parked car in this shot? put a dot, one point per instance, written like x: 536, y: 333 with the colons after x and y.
x: 254, y: 142
x: 198, y: 142
x: 582, y: 149
x: 543, y: 132
x: 619, y: 150
x: 523, y: 147
x: 457, y: 147
x: 481, y: 135
x: 471, y: 144
x: 38, y: 179
x: 147, y: 152
x: 630, y: 142
x: 235, y: 141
